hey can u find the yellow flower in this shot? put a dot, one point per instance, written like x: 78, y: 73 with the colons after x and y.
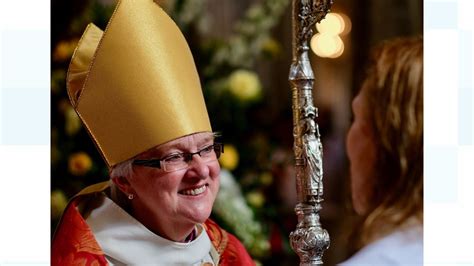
x: 255, y: 198
x: 230, y: 158
x: 79, y: 163
x: 64, y: 104
x: 266, y: 178
x: 57, y: 78
x: 271, y: 47
x: 245, y: 85
x: 73, y: 123
x: 58, y: 203
x: 64, y: 50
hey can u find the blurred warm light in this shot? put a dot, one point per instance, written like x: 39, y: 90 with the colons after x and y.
x: 347, y: 24
x: 339, y: 50
x: 325, y: 45
x: 332, y: 24
x: 328, y: 43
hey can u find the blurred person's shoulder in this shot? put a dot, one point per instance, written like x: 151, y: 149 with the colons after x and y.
x: 402, y: 247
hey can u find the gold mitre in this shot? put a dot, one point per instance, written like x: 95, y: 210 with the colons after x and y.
x: 135, y: 85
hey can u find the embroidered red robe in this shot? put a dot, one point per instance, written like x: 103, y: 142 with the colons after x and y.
x: 74, y: 242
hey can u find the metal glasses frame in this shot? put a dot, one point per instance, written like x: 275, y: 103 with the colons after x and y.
x: 188, y: 156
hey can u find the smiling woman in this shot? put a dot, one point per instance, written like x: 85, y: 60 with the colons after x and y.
x: 152, y: 129
x: 186, y: 193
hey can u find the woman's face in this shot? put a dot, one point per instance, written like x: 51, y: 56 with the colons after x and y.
x: 362, y: 154
x: 164, y: 200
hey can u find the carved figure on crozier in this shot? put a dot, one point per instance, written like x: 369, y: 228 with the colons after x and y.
x: 312, y: 154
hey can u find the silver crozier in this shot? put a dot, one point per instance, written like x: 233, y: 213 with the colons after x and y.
x: 309, y: 240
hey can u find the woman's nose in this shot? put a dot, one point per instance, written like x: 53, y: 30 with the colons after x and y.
x: 198, y: 166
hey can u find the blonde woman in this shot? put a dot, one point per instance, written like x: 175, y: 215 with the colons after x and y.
x: 385, y: 149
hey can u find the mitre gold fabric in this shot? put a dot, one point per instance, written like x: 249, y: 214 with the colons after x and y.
x: 135, y: 85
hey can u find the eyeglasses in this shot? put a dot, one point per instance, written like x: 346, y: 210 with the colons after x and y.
x: 179, y: 161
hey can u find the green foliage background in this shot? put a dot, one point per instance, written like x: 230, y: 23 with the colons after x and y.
x: 247, y: 205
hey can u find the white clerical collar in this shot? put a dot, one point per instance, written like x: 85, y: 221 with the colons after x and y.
x: 125, y: 240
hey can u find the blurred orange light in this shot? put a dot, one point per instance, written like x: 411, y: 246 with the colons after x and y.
x: 339, y: 51
x: 325, y: 45
x: 332, y: 24
x: 347, y: 23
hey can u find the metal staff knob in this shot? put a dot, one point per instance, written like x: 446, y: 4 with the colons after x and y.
x: 309, y: 240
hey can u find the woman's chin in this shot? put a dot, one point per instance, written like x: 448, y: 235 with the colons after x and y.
x: 198, y: 213
x: 198, y: 209
x: 197, y: 218
x: 359, y: 207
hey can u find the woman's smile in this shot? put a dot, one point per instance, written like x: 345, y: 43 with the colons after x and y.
x: 196, y: 191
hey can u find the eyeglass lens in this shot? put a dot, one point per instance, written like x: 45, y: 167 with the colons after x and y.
x: 181, y: 161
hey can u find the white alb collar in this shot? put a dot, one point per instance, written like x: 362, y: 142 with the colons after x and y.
x: 125, y: 240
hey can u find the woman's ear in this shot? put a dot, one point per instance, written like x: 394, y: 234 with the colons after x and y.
x: 123, y: 184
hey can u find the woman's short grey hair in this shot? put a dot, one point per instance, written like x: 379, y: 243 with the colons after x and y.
x: 123, y: 169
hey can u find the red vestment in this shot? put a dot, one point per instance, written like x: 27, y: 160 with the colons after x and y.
x: 74, y: 242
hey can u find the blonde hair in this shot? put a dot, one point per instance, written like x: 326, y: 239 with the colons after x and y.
x: 394, y: 93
